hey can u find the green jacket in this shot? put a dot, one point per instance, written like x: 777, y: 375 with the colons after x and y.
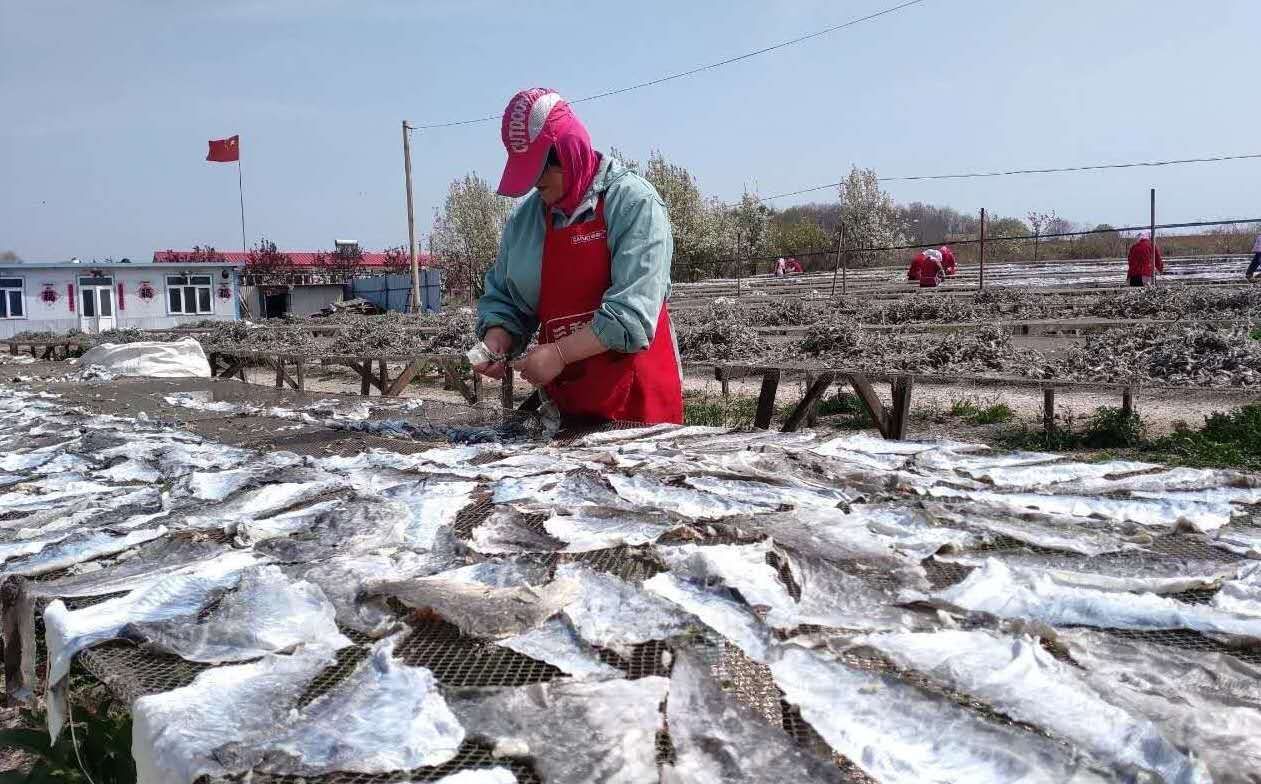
x: 640, y: 243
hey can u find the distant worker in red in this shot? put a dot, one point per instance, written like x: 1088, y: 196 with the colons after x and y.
x: 912, y: 272
x: 1144, y: 262
x: 948, y: 260
x: 931, y: 271
x: 793, y: 267
x: 1256, y: 259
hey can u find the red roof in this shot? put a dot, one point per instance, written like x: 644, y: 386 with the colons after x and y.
x: 300, y: 258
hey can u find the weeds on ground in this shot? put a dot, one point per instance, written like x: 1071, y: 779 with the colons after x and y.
x: 103, y: 732
x: 1231, y: 439
x: 1255, y: 334
x: 977, y: 415
x: 717, y: 411
x: 848, y: 411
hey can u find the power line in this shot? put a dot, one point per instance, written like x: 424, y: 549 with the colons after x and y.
x: 1059, y: 170
x: 698, y: 69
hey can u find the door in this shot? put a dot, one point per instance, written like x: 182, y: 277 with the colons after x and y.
x: 96, y: 311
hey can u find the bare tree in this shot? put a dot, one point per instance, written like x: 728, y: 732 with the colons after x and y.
x: 467, y: 231
x: 1038, y: 221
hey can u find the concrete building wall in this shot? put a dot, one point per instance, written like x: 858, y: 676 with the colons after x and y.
x: 307, y: 300
x: 48, y: 295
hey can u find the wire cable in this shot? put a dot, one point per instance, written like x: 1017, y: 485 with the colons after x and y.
x: 698, y: 69
x: 1058, y: 170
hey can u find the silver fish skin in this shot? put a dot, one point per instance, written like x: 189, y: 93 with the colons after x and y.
x: 1066, y: 534
x: 266, y: 613
x: 505, y: 531
x: 480, y: 611
x: 430, y: 505
x: 575, y: 732
x: 717, y: 610
x: 556, y: 643
x: 176, y: 734
x: 719, y: 740
x: 998, y: 590
x: 650, y: 492
x: 612, y: 613
x: 478, y: 776
x: 78, y: 548
x: 898, y: 734
x: 595, y: 529
x: 1242, y: 595
x: 1128, y: 573
x: 385, y: 716
x: 1158, y: 513
x: 1020, y: 679
x: 1209, y: 703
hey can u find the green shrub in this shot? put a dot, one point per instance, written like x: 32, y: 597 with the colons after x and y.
x: 1110, y: 428
x: 989, y: 415
x: 1227, y: 439
x: 104, y: 747
x: 849, y: 410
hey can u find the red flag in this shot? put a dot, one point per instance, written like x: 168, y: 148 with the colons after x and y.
x: 225, y: 150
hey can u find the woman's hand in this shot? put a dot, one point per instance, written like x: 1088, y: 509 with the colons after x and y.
x: 498, y: 340
x: 543, y: 364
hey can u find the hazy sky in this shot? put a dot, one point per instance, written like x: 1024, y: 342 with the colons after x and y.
x: 108, y: 106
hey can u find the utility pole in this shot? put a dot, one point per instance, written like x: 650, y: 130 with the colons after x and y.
x: 981, y: 280
x: 1152, y: 254
x: 411, y: 218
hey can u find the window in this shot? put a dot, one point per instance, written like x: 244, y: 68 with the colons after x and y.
x: 12, y: 304
x: 188, y: 294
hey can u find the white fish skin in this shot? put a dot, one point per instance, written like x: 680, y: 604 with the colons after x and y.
x: 1209, y: 703
x: 1072, y: 536
x: 131, y: 570
x: 556, y: 643
x: 385, y: 716
x: 526, y: 489
x: 500, y: 573
x: 584, y: 531
x: 724, y: 615
x: 998, y: 590
x: 649, y: 492
x: 79, y: 548
x: 61, y: 491
x: 284, y: 524
x: 1242, y: 595
x: 478, y: 610
x: 771, y: 497
x: 130, y: 471
x: 1242, y: 542
x: 1132, y: 573
x: 739, y: 566
x: 262, y: 502
x: 718, y: 739
x: 267, y: 613
x: 478, y: 776
x: 430, y: 505
x: 69, y: 632
x: 629, y: 434
x: 900, y: 735
x: 1046, y: 474
x: 175, y: 734
x: 576, y: 732
x: 611, y: 613
x: 1161, y: 513
x: 1020, y: 679
x: 504, y: 531
x: 24, y: 547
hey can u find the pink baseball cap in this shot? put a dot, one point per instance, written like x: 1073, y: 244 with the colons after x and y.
x: 529, y: 129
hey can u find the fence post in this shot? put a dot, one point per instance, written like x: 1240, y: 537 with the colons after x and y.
x: 982, y: 278
x: 1152, y: 254
x: 840, y: 243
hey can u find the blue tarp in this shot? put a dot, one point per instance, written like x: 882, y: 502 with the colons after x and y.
x: 394, y: 292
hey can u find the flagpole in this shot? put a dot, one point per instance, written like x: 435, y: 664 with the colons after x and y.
x: 240, y: 189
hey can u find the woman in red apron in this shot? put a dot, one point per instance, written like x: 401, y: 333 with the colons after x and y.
x: 585, y: 261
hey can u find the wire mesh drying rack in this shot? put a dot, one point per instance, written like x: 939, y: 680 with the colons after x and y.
x: 458, y: 661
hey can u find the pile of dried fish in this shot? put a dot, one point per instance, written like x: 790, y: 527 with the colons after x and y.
x: 1177, y: 302
x: 986, y: 349
x: 721, y: 334
x: 246, y: 336
x: 123, y: 335
x: 372, y: 338
x: 512, y: 431
x: 1182, y: 355
x: 927, y: 611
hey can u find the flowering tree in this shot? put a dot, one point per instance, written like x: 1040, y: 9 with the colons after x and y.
x: 265, y: 262
x: 398, y: 260
x: 867, y: 212
x: 466, y: 233
x: 341, y: 263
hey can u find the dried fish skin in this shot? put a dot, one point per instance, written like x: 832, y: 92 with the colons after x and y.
x: 502, y: 572
x: 649, y: 492
x: 575, y: 732
x: 1131, y: 573
x: 478, y: 776
x: 742, y: 567
x: 587, y: 530
x: 900, y: 735
x: 718, y: 739
x: 480, y: 611
x: 556, y: 643
x: 717, y: 610
x: 147, y: 564
x: 611, y: 613
x: 266, y: 613
x: 78, y: 548
x: 1054, y: 474
x: 385, y: 716
x: 130, y: 471
x: 1209, y: 703
x: 1020, y: 679
x: 531, y: 489
x: 430, y: 505
x: 1070, y: 535
x: 1242, y: 595
x: 770, y: 496
x: 998, y: 590
x: 176, y: 734
x: 1159, y: 513
x: 1245, y: 542
x: 505, y: 531
x: 251, y: 532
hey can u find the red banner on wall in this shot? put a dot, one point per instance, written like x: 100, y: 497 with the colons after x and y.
x: 121, y: 303
x: 70, y: 294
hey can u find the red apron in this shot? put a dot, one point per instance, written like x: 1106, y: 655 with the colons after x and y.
x: 642, y: 387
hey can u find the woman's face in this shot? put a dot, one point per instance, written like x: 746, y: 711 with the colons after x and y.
x: 551, y: 184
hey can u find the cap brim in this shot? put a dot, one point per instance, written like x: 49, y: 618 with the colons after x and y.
x: 522, y: 171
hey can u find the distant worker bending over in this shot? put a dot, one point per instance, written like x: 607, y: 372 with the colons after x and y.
x: 948, y: 260
x: 585, y: 261
x: 931, y: 271
x: 793, y: 267
x: 1144, y: 262
x: 1256, y: 258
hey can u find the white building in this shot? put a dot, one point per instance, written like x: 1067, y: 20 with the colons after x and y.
x: 62, y: 296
